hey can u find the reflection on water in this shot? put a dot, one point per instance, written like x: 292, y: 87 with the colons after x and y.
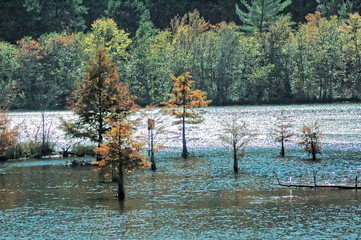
x: 198, y: 198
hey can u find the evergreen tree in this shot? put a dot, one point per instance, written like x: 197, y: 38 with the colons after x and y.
x: 260, y: 14
x: 55, y: 15
x: 126, y: 13
x: 338, y: 7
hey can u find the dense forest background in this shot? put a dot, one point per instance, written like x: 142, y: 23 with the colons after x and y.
x: 303, y: 50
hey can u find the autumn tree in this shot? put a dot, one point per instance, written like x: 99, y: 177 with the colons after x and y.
x: 99, y: 95
x: 282, y: 130
x: 183, y: 104
x: 120, y: 154
x: 7, y: 135
x: 260, y: 14
x: 237, y: 136
x: 310, y: 139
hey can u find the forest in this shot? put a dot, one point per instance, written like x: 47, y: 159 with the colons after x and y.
x: 237, y: 51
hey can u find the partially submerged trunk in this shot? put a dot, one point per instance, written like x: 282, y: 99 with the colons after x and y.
x: 153, y: 167
x: 152, y: 160
x: 283, y: 149
x: 313, y: 149
x: 120, y: 181
x: 184, y: 152
x: 235, y: 160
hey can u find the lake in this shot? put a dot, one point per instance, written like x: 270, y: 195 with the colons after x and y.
x: 198, y: 198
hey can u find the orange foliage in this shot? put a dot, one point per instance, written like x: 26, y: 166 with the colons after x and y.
x: 7, y: 137
x: 182, y: 99
x: 29, y: 46
x: 120, y: 151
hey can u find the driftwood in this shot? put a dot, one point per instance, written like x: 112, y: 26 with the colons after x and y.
x: 315, y: 185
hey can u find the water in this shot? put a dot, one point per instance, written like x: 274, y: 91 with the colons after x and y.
x: 200, y: 198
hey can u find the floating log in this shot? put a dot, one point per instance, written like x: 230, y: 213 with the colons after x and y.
x: 315, y: 185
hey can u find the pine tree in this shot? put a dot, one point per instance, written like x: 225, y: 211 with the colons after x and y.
x: 340, y: 8
x: 260, y: 14
x: 183, y: 103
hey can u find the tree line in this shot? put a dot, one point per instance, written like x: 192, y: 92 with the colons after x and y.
x: 318, y: 61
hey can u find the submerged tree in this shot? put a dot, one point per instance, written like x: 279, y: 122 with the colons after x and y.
x: 7, y: 136
x: 155, y: 126
x: 281, y: 130
x: 120, y: 154
x: 237, y: 135
x: 98, y: 96
x: 311, y: 139
x: 183, y: 104
x: 261, y: 13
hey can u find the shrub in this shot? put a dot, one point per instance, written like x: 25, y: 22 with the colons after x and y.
x: 83, y: 149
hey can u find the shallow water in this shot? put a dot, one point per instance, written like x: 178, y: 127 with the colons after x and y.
x: 200, y: 198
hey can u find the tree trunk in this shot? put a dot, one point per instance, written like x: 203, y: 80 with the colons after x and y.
x: 120, y: 181
x: 152, y: 160
x: 184, y: 152
x: 235, y: 160
x: 283, y: 149
x: 313, y: 154
x: 43, y: 137
x: 313, y: 149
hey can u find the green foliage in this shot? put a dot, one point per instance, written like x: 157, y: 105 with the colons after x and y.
x: 55, y: 15
x: 277, y: 54
x: 48, y: 70
x: 8, y: 67
x: 80, y: 149
x: 260, y: 14
x: 29, y: 149
x: 105, y: 33
x: 127, y: 13
x: 317, y: 61
x: 341, y: 8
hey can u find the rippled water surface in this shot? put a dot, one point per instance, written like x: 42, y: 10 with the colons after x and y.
x: 200, y: 198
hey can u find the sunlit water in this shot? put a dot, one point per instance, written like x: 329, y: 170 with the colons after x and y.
x: 200, y: 198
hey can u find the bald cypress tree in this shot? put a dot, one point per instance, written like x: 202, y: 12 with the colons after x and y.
x: 98, y: 96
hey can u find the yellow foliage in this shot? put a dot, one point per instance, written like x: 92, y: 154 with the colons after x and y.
x: 105, y: 33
